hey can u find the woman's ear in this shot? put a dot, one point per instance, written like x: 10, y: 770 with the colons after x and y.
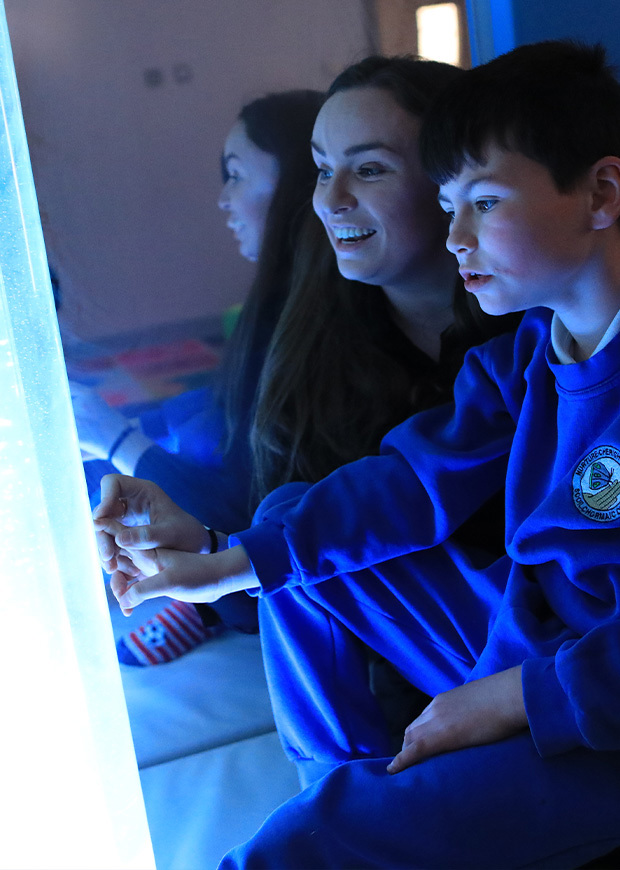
x: 605, y: 186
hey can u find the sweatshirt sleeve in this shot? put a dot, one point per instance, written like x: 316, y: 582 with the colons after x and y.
x: 572, y: 699
x: 434, y: 471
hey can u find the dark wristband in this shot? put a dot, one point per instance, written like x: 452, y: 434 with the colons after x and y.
x: 124, y: 434
x: 214, y: 541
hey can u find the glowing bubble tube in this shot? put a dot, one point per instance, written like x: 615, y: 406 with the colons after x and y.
x: 69, y: 788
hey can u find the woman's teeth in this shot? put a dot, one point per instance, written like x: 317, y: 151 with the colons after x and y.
x: 352, y: 234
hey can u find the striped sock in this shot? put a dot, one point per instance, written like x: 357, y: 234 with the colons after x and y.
x: 170, y: 634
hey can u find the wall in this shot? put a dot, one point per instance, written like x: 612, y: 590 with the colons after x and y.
x: 127, y: 104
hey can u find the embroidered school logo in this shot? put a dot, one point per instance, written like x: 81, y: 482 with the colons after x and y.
x: 596, y: 485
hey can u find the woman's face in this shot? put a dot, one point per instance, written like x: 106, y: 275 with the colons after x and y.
x: 251, y: 179
x: 379, y: 208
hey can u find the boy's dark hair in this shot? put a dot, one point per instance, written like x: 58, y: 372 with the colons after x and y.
x: 556, y: 102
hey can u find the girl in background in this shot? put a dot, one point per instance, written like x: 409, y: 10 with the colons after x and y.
x: 205, y: 461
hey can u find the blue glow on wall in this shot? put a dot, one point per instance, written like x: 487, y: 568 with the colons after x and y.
x: 496, y: 26
x: 491, y: 28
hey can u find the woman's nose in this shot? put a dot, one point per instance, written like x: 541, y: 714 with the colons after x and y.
x: 337, y: 196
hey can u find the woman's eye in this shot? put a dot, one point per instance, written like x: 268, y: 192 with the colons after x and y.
x: 370, y: 171
x: 324, y: 174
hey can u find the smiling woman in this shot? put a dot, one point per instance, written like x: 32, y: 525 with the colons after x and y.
x: 378, y: 321
x: 377, y: 205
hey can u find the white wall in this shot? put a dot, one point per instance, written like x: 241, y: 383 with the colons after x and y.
x: 128, y: 174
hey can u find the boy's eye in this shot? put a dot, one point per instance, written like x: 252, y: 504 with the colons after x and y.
x: 485, y: 205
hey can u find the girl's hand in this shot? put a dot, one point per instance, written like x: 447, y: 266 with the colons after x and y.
x: 482, y: 711
x: 193, y: 577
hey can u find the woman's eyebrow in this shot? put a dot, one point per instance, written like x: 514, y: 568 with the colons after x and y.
x: 358, y: 149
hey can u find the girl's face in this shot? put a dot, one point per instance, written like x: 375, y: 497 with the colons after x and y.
x: 379, y: 208
x: 251, y: 179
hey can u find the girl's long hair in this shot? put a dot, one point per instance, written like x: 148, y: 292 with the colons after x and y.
x: 339, y: 374
x: 280, y: 124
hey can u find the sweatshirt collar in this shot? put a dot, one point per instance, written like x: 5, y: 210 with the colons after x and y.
x: 562, y: 340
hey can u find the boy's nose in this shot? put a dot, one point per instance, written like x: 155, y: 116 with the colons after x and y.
x: 460, y: 238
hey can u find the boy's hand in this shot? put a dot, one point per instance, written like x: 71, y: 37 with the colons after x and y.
x: 144, y: 574
x: 482, y: 711
x: 137, y: 514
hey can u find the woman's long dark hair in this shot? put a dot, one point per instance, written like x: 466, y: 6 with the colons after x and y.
x: 339, y: 374
x: 280, y: 124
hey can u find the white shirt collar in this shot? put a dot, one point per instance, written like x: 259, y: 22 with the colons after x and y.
x: 562, y: 340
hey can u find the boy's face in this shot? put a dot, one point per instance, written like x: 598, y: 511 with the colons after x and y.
x: 519, y: 242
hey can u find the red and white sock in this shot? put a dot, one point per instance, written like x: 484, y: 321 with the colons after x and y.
x: 170, y: 634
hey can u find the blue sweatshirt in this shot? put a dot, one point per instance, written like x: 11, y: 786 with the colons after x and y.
x: 551, y: 433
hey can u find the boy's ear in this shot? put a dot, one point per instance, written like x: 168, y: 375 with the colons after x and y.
x: 605, y: 187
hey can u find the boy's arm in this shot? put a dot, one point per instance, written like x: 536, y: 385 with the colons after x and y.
x: 435, y: 470
x: 192, y: 577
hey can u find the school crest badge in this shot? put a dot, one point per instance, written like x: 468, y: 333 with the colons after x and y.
x: 596, y: 485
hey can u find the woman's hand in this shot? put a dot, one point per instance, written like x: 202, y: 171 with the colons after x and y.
x: 137, y: 514
x: 144, y: 574
x: 475, y: 713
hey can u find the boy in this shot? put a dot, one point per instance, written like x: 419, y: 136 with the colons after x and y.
x: 516, y: 761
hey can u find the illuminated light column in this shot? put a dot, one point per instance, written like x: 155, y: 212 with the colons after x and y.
x: 70, y: 794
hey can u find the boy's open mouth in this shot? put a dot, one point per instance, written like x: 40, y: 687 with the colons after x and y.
x: 474, y: 280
